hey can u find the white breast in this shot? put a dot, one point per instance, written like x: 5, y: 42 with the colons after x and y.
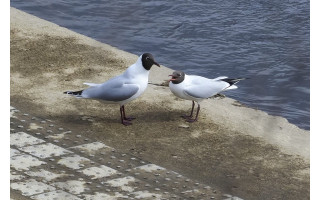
x: 136, y: 74
x: 177, y: 89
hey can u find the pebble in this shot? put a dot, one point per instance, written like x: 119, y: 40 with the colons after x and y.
x: 183, y: 126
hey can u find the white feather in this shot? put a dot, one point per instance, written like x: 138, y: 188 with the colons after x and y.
x: 91, y: 84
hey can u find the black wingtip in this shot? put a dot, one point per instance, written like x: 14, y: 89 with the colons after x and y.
x: 233, y: 81
x: 78, y: 93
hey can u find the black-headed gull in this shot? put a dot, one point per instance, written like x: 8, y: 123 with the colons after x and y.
x: 123, y: 88
x: 197, y: 88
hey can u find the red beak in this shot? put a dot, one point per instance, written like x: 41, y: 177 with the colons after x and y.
x: 172, y: 78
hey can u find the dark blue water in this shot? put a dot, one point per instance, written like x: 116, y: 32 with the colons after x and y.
x: 267, y: 41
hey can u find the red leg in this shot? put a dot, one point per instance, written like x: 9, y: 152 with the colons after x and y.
x: 124, y: 115
x: 191, y: 114
x: 196, y: 118
x: 123, y: 120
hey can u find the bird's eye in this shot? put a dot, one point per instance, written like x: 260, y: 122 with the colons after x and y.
x: 179, y: 75
x: 147, y: 58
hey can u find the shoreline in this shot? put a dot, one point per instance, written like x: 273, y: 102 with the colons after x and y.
x: 47, y: 59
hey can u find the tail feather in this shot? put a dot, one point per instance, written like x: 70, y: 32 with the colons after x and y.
x: 233, y: 81
x: 75, y: 93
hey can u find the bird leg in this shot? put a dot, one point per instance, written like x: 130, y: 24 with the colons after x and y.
x: 124, y: 121
x: 196, y: 118
x: 191, y: 114
x: 124, y: 115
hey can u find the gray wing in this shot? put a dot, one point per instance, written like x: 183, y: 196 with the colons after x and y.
x: 205, y: 89
x: 115, y: 89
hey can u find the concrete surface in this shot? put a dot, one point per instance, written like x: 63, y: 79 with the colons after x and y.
x: 234, y: 149
x: 52, y: 162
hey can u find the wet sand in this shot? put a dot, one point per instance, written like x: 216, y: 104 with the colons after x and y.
x: 237, y: 149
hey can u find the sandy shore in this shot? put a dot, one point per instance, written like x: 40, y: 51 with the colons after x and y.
x: 241, y: 150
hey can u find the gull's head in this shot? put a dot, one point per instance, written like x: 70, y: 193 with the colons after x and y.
x: 148, y: 60
x: 177, y: 77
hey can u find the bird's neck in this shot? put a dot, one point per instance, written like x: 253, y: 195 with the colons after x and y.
x: 136, y: 70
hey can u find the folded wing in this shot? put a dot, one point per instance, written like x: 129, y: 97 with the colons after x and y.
x: 205, y: 88
x: 115, y: 89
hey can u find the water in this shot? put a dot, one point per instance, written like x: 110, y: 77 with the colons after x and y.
x: 265, y: 40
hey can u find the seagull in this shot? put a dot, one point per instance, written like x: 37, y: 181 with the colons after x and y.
x: 197, y: 88
x: 123, y: 88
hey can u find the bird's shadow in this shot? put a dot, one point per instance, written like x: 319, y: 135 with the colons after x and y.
x: 159, y: 116
x: 141, y: 116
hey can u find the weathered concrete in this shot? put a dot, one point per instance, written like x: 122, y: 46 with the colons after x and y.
x: 52, y: 162
x: 235, y: 149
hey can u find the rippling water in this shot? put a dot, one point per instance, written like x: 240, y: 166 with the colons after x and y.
x: 267, y: 41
